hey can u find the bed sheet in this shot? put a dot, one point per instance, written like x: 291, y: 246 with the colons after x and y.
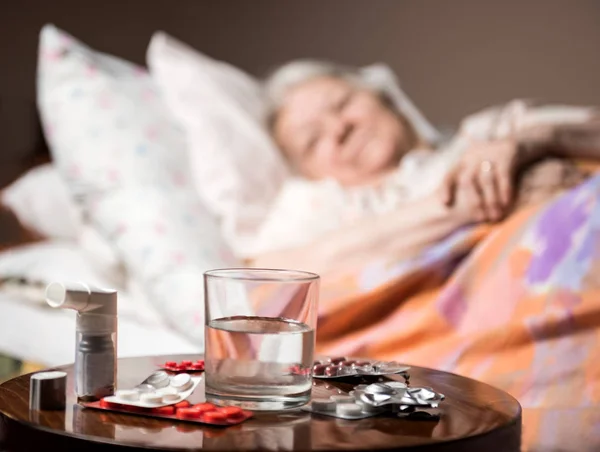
x: 47, y: 336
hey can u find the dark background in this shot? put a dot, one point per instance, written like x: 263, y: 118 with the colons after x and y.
x: 452, y: 56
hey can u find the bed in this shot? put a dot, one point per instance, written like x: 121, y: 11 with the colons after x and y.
x: 43, y: 235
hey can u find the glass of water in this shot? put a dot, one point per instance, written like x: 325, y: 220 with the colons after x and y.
x: 260, y: 337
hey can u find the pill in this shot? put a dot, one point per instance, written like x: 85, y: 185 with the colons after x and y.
x: 231, y: 411
x: 158, y: 379
x: 348, y: 409
x: 151, y: 397
x: 337, y: 360
x: 214, y: 416
x: 342, y: 398
x: 164, y: 410
x: 187, y: 413
x: 170, y: 364
x: 319, y: 369
x: 197, y: 366
x: 186, y: 363
x: 205, y: 407
x: 181, y: 382
x: 170, y: 398
x: 323, y: 404
x: 128, y: 394
x: 183, y: 404
x: 145, y: 388
x: 349, y: 363
x: 332, y: 371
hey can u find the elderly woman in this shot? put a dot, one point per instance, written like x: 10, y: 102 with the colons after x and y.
x: 375, y: 181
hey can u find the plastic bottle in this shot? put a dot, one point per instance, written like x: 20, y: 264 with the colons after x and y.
x: 96, y: 335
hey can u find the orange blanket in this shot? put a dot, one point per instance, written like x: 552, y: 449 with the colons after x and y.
x: 516, y: 305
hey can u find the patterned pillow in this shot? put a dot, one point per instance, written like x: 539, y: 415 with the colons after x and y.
x: 238, y: 168
x: 125, y: 163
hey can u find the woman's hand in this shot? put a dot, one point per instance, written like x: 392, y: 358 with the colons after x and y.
x: 485, y: 171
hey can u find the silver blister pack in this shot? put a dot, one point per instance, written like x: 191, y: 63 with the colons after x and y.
x: 392, y: 397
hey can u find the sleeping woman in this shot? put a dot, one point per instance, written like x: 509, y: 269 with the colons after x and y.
x: 372, y: 178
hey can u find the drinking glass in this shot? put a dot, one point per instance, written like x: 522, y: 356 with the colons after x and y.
x: 260, y: 337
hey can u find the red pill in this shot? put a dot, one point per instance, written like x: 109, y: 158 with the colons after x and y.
x: 188, y: 413
x: 185, y: 363
x: 182, y: 404
x: 197, y: 366
x: 230, y: 411
x: 164, y: 410
x: 170, y: 364
x: 205, y: 407
x: 214, y: 416
x: 135, y: 409
x: 337, y: 360
x: 319, y: 369
x: 362, y: 363
x: 349, y: 363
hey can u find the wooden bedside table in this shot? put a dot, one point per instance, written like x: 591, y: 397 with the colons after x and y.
x: 476, y: 417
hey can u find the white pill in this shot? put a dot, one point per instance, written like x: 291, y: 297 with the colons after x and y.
x: 181, y: 382
x: 342, y: 398
x: 348, y: 409
x: 151, y: 397
x: 170, y: 398
x: 128, y: 394
x: 323, y: 404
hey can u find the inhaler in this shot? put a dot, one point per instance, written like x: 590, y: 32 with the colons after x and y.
x: 96, y: 336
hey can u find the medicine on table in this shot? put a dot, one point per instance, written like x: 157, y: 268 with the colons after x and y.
x: 348, y: 409
x: 324, y: 404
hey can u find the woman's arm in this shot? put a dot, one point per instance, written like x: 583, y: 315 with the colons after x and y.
x: 561, y: 140
x: 489, y: 168
x: 405, y: 231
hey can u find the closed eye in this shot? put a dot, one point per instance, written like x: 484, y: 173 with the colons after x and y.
x: 343, y: 101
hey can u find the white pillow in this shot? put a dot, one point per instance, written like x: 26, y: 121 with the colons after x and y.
x: 41, y: 202
x: 237, y: 167
x: 125, y: 162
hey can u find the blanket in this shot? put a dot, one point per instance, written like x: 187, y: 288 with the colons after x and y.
x: 515, y: 305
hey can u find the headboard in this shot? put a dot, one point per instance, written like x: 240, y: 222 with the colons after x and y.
x: 452, y: 57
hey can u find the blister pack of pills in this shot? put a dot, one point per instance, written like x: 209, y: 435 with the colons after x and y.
x: 163, y: 395
x: 201, y: 413
x: 159, y: 389
x: 390, y: 397
x: 341, y: 367
x: 184, y: 366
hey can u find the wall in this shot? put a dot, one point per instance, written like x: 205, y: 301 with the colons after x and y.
x: 452, y: 56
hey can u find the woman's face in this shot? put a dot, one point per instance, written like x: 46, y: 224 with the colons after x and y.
x: 331, y: 129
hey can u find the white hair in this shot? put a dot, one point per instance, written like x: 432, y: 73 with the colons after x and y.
x: 379, y: 78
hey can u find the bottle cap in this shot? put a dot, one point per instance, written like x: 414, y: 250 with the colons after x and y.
x: 48, y: 391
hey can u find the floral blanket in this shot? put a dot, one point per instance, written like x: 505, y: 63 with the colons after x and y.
x: 516, y: 305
